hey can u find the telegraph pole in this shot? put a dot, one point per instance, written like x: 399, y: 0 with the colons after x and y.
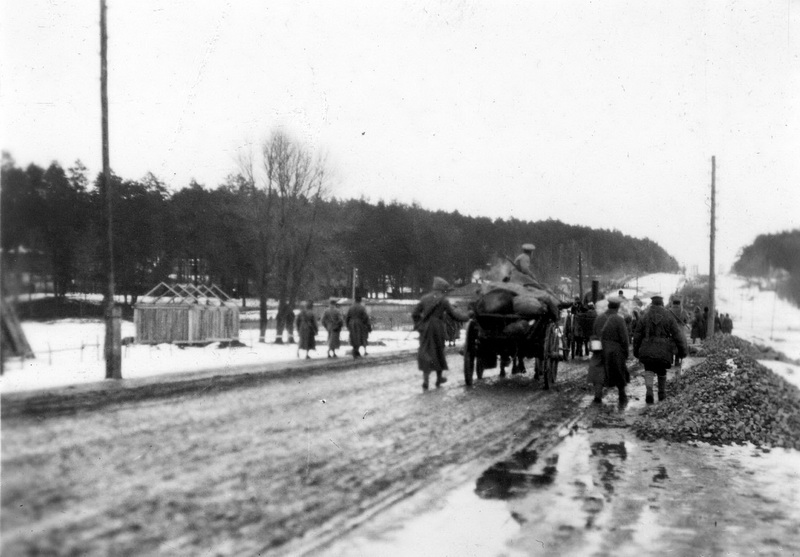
x: 711, y: 277
x: 580, y: 275
x: 112, y: 348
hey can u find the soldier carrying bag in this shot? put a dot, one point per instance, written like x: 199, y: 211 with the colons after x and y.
x: 597, y: 364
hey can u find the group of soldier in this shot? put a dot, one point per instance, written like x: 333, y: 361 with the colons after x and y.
x: 356, y: 320
x: 699, y: 326
x: 656, y: 335
x: 659, y: 342
x: 658, y: 339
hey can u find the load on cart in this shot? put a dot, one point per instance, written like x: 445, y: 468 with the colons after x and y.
x: 511, y: 321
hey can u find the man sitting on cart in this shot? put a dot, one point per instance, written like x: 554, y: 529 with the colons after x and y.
x: 522, y: 265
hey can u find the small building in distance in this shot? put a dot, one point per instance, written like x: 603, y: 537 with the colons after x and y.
x: 186, y: 314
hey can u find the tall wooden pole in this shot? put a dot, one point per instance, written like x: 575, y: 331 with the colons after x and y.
x: 580, y: 275
x: 112, y: 348
x: 711, y: 276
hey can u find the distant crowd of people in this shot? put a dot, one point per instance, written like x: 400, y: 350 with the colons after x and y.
x: 655, y: 335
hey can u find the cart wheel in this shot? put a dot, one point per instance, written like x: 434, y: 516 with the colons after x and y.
x: 546, y: 374
x: 551, y: 354
x: 552, y: 370
x: 469, y: 364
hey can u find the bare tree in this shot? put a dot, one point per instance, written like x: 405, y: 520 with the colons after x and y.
x: 286, y: 186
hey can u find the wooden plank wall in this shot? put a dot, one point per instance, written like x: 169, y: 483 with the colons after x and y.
x: 183, y: 324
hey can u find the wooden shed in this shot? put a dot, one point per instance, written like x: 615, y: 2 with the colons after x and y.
x: 186, y: 314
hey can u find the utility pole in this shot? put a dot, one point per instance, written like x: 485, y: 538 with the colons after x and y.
x: 711, y: 277
x: 580, y: 275
x: 112, y: 348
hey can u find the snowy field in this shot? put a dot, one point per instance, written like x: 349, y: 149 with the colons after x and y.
x: 60, y: 360
x: 70, y: 351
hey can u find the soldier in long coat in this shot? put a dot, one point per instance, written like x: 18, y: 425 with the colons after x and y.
x: 727, y: 324
x: 357, y: 322
x: 428, y: 316
x: 611, y: 330
x: 682, y: 317
x: 698, y: 325
x: 333, y: 322
x: 657, y: 335
x: 307, y: 329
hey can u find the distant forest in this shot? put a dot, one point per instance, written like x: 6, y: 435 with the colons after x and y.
x: 283, y: 237
x: 775, y: 257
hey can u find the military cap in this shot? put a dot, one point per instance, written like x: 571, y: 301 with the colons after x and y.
x: 528, y: 247
x: 440, y: 284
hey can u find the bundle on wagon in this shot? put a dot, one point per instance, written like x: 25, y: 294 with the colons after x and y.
x: 510, y: 322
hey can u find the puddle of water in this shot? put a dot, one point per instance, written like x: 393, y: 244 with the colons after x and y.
x: 514, y: 477
x: 462, y: 524
x: 602, y: 491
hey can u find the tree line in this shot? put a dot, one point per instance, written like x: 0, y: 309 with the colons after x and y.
x: 774, y: 256
x: 273, y: 230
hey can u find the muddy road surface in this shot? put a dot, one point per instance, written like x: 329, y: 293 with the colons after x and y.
x: 269, y: 467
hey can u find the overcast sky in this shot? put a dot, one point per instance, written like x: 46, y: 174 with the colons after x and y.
x: 604, y: 114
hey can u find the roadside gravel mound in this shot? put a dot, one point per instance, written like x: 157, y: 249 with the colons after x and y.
x: 720, y: 342
x: 729, y: 398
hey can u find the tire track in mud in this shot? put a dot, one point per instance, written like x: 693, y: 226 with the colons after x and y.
x: 271, y: 466
x: 556, y: 413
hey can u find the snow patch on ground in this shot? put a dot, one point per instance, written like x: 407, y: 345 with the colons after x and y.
x: 60, y: 360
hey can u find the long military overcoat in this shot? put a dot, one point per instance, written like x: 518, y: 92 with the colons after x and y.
x: 357, y: 323
x: 428, y: 316
x: 611, y: 330
x: 333, y: 322
x: 307, y: 330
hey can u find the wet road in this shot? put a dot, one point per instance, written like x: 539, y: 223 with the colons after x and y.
x: 600, y: 491
x: 274, y: 467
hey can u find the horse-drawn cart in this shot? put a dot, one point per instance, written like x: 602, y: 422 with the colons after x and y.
x: 510, y: 338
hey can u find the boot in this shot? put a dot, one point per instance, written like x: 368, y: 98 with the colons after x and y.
x: 623, y: 398
x: 662, y: 387
x: 598, y: 393
x: 440, y: 378
x: 424, y: 381
x: 648, y: 384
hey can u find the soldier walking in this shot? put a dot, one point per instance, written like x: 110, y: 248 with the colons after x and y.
x: 357, y: 323
x: 657, y: 333
x: 429, y: 321
x: 333, y: 322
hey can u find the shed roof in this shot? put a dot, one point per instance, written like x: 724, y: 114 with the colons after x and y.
x: 187, y: 294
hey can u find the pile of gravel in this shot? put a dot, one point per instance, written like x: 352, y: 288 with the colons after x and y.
x: 729, y: 398
x: 720, y: 342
